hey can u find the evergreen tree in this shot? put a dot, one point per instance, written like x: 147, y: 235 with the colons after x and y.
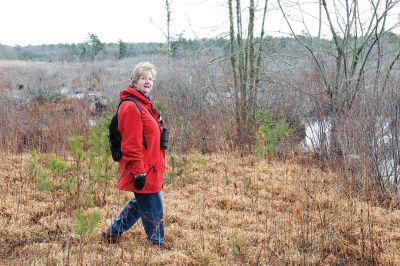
x: 83, y: 52
x: 96, y: 45
x: 122, y: 49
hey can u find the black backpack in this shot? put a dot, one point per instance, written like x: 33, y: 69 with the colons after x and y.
x: 115, y: 136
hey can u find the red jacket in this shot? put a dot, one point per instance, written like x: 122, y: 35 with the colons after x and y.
x: 135, y: 127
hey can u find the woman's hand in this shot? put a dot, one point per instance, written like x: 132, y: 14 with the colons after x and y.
x: 140, y: 180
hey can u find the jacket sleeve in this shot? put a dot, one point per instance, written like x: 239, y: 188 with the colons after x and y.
x: 131, y: 128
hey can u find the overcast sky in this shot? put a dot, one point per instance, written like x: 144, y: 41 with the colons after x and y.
x: 36, y: 22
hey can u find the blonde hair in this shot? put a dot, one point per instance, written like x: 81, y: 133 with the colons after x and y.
x: 141, y: 69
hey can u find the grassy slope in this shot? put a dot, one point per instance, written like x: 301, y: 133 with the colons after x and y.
x: 219, y: 209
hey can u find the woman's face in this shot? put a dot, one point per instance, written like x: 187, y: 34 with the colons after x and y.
x: 144, y: 83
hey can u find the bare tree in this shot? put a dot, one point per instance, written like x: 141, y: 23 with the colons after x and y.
x: 357, y: 28
x: 167, y: 33
x: 245, y: 62
x: 168, y: 36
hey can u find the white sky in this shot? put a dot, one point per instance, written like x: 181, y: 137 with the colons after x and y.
x: 37, y: 22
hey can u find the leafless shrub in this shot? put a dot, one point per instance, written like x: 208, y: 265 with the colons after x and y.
x: 42, y: 126
x: 191, y: 104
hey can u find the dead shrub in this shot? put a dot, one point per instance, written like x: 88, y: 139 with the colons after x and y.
x: 44, y: 127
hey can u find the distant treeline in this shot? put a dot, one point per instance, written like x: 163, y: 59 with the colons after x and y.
x: 76, y: 52
x: 94, y: 49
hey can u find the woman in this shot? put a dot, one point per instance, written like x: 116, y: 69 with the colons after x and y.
x: 142, y: 164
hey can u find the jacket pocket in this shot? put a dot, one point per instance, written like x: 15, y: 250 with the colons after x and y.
x: 151, y: 170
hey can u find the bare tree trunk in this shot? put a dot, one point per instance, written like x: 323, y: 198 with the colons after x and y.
x: 246, y: 72
x: 169, y: 45
x: 237, y: 85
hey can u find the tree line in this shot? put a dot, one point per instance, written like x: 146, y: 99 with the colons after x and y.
x: 95, y: 49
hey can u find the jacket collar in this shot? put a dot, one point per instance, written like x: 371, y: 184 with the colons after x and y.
x: 131, y: 92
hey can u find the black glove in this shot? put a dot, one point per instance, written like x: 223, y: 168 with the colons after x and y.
x: 140, y: 179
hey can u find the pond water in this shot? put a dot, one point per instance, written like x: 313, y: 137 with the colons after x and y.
x: 388, y: 162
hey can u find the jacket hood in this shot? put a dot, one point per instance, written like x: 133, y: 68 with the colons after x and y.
x: 131, y: 92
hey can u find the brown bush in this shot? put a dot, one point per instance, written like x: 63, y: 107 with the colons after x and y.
x: 44, y: 126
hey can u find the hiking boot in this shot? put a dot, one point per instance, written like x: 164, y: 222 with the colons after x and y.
x: 109, y: 237
x: 166, y: 246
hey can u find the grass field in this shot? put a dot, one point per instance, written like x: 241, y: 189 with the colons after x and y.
x: 219, y: 210
x: 12, y: 63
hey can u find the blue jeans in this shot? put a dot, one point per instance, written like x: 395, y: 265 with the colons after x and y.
x: 149, y: 208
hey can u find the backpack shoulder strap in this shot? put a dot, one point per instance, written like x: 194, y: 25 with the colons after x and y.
x: 140, y: 111
x: 132, y: 100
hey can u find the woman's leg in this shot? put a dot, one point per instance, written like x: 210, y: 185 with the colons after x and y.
x: 151, y: 210
x: 127, y: 218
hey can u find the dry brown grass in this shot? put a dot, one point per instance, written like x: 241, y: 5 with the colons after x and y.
x: 219, y: 210
x: 12, y: 63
